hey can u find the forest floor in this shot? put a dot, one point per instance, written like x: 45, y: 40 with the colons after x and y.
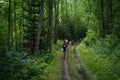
x: 80, y: 72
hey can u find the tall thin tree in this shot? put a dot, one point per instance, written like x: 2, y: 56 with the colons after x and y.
x: 36, y: 51
x: 102, y: 31
x: 15, y: 36
x: 56, y: 20
x: 9, y: 25
x: 50, y: 24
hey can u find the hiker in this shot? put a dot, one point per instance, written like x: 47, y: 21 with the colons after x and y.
x: 69, y: 42
x: 64, y: 47
x: 66, y: 41
x: 72, y: 42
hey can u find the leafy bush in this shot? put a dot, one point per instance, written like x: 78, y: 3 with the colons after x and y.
x: 91, y: 37
x: 20, y: 66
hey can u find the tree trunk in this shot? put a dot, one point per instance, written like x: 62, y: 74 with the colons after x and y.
x: 36, y: 51
x: 50, y: 24
x: 102, y: 32
x: 110, y: 15
x: 55, y: 29
x: 66, y: 7
x: 56, y: 21
x: 9, y: 25
x: 22, y: 32
x: 71, y: 6
x: 15, y: 36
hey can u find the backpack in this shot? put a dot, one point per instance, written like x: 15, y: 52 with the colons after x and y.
x: 64, y: 45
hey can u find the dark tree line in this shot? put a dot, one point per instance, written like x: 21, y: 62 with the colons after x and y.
x: 34, y: 25
x: 31, y: 25
x: 108, y: 16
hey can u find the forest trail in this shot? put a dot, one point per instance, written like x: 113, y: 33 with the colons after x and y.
x: 80, y: 72
x: 78, y: 66
x: 66, y: 72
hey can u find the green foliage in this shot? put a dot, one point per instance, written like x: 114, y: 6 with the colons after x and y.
x: 67, y: 29
x: 20, y: 66
x: 76, y: 19
x: 102, y: 57
x: 72, y: 63
x: 108, y: 45
x: 91, y: 37
x: 31, y: 17
x: 72, y: 20
x: 3, y: 21
x: 54, y: 70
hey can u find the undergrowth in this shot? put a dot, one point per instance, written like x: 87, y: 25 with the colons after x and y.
x: 72, y: 63
x: 21, y: 66
x: 55, y: 70
x: 102, y: 57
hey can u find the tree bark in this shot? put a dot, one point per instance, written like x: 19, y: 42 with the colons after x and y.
x: 55, y: 29
x: 36, y: 51
x: 15, y: 36
x: 9, y: 25
x: 50, y: 24
x: 56, y: 21
x: 110, y: 15
x: 102, y: 32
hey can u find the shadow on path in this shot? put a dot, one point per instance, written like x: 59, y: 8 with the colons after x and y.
x: 66, y: 72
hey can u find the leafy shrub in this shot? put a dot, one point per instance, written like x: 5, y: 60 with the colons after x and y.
x: 91, y: 37
x: 20, y: 66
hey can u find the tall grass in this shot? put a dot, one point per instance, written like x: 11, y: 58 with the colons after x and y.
x: 55, y: 70
x: 102, y: 57
x: 72, y: 63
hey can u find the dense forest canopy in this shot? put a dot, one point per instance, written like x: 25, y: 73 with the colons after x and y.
x: 70, y: 19
x: 34, y: 26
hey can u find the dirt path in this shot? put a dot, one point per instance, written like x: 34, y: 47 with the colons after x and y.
x: 80, y: 72
x: 78, y: 65
x: 79, y: 69
x: 66, y: 72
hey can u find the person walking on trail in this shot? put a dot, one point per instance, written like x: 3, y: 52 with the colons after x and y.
x: 72, y: 42
x: 64, y: 47
x: 66, y: 41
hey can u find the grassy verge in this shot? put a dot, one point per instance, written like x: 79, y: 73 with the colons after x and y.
x: 103, y: 66
x: 54, y: 70
x: 72, y: 63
